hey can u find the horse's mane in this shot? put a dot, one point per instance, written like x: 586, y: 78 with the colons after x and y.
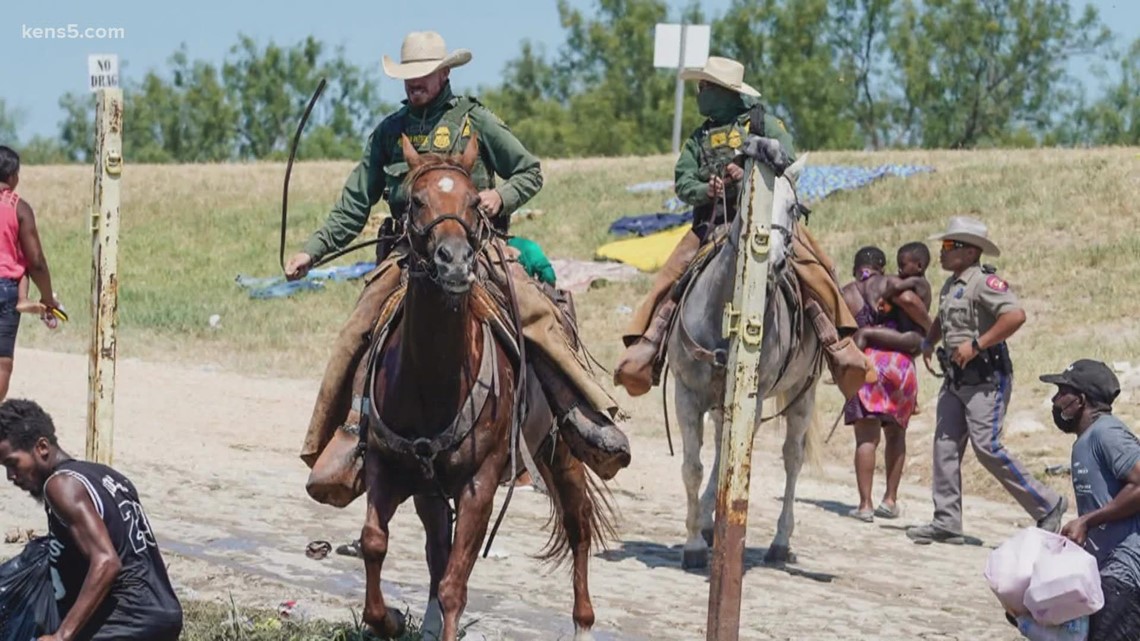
x: 431, y: 161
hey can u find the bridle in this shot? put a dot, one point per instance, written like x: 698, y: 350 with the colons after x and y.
x: 477, y: 235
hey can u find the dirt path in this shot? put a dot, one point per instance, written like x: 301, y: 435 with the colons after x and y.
x: 214, y: 456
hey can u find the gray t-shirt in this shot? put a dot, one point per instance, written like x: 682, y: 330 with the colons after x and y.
x: 1102, y: 459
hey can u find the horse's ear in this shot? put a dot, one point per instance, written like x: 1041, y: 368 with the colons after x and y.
x: 470, y: 152
x: 796, y: 168
x: 411, y: 156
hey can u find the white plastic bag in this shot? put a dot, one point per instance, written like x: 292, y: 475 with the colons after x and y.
x: 1065, y: 584
x: 1010, y: 566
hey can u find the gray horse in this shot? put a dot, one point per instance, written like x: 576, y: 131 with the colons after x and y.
x: 789, y: 370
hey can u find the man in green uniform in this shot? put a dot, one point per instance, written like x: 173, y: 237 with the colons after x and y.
x: 708, y: 176
x: 976, y: 316
x: 438, y: 121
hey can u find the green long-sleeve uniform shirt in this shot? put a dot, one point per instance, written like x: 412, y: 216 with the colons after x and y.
x: 704, y: 147
x: 443, y: 126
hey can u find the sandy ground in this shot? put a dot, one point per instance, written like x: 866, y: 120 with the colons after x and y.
x: 214, y: 456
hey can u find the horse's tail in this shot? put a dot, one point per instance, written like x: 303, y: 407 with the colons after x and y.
x: 596, y: 506
x: 813, y: 444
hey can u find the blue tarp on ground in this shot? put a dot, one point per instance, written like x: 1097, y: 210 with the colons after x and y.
x: 814, y: 184
x: 278, y: 287
x: 531, y: 258
x: 818, y: 182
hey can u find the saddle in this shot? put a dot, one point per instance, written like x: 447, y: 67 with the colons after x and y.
x: 787, y: 285
x: 491, y: 306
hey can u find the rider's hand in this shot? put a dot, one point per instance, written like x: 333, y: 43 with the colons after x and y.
x: 298, y: 266
x: 733, y: 172
x: 716, y: 186
x: 490, y: 202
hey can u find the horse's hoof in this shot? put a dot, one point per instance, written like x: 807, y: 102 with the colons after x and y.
x: 707, y: 534
x: 779, y: 555
x: 399, y: 625
x: 582, y: 634
x: 695, y: 559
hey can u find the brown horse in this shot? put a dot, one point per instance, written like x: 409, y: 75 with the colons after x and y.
x: 446, y: 400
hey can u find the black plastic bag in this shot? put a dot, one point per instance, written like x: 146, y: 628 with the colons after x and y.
x: 27, y: 598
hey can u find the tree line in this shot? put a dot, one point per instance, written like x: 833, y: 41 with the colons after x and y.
x: 841, y: 74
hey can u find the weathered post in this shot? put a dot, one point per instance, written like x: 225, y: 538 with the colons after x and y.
x: 104, y: 277
x: 744, y: 325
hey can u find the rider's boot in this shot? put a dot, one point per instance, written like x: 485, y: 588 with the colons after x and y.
x: 638, y: 369
x: 592, y: 436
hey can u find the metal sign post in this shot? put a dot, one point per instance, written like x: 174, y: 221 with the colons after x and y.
x: 744, y: 326
x: 104, y: 274
x: 680, y: 46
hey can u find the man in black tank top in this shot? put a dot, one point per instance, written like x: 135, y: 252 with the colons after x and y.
x: 110, y: 580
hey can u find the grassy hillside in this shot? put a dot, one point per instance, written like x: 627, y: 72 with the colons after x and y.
x: 1066, y: 221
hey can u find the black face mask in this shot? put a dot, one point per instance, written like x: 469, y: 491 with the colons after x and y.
x: 1067, y: 424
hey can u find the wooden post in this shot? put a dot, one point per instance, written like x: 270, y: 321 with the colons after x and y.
x: 744, y: 325
x: 104, y: 277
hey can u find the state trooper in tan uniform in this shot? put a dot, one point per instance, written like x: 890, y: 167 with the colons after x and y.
x: 976, y: 315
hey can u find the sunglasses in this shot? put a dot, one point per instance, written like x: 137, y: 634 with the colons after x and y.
x: 950, y: 245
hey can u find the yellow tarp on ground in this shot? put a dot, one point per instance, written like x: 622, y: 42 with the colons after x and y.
x: 647, y: 253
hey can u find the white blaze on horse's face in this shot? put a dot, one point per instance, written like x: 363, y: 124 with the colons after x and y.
x: 446, y: 184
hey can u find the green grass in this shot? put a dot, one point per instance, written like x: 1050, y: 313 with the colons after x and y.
x: 1066, y: 221
x: 209, y: 621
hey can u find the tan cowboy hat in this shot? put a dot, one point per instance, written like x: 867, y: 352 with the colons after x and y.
x: 725, y: 72
x: 422, y: 53
x: 970, y: 231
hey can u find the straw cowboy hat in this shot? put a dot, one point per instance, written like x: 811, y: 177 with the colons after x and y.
x: 970, y: 231
x: 422, y: 53
x: 725, y: 72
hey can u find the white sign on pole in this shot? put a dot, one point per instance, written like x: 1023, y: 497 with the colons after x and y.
x: 102, y: 71
x: 667, y: 45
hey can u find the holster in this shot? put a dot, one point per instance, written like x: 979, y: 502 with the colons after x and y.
x: 984, y: 368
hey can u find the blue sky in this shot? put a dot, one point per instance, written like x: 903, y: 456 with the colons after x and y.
x: 38, y: 71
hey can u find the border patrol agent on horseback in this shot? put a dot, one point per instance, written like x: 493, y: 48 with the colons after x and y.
x: 976, y: 316
x: 437, y: 121
x: 708, y: 176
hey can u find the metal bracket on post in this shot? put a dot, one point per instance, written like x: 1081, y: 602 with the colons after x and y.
x: 760, y: 242
x: 730, y: 322
x: 114, y: 162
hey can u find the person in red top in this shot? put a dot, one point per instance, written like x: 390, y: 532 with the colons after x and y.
x: 21, y: 254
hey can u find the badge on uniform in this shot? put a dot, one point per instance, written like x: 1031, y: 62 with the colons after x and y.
x: 442, y: 138
x: 997, y: 284
x: 719, y: 139
x: 466, y: 128
x: 959, y: 292
x: 734, y: 139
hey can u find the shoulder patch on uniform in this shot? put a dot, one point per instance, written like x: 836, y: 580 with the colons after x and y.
x: 997, y: 284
